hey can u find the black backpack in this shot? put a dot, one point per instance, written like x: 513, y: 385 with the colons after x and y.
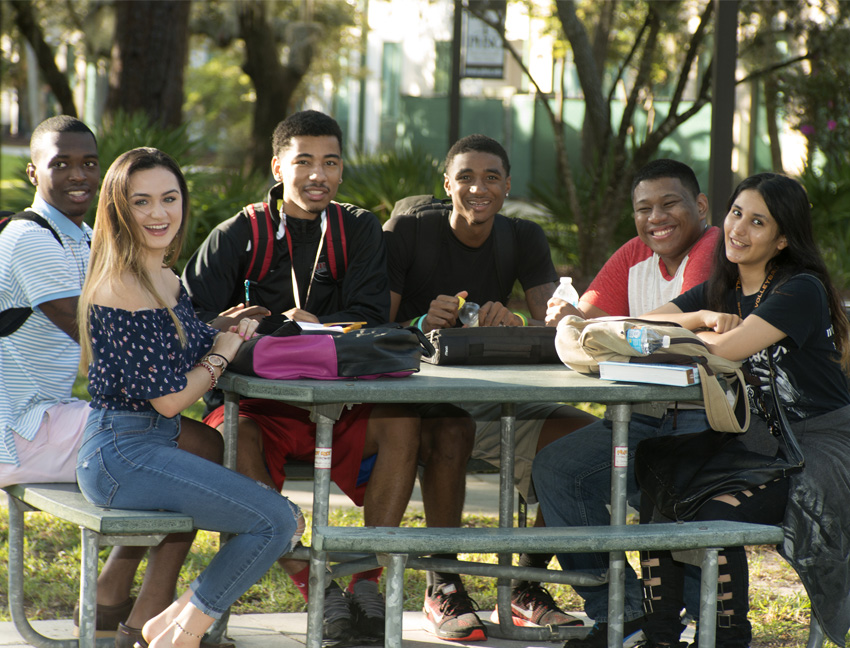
x: 13, y: 319
x: 429, y: 231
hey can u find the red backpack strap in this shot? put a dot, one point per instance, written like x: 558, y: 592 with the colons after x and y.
x: 337, y: 244
x: 262, y: 241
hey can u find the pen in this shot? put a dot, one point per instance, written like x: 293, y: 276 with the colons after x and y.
x: 247, y: 293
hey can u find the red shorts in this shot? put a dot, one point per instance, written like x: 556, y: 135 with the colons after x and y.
x: 289, y: 434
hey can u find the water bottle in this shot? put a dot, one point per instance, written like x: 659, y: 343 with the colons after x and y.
x: 468, y: 312
x: 566, y: 292
x: 645, y: 340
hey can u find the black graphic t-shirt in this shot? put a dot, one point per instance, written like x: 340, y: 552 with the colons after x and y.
x: 809, y: 377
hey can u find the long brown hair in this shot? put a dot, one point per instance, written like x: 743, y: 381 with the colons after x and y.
x: 118, y: 244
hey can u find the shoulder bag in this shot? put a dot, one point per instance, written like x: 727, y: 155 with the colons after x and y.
x: 582, y: 344
x: 680, y: 473
x: 290, y: 353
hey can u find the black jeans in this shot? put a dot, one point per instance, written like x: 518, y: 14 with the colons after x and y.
x: 663, y: 577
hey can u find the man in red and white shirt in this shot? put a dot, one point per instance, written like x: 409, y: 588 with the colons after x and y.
x: 572, y: 475
x: 670, y: 254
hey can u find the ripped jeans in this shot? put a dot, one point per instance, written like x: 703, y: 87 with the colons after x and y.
x: 130, y: 460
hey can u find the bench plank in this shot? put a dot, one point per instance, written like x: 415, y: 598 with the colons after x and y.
x: 674, y: 536
x: 66, y: 502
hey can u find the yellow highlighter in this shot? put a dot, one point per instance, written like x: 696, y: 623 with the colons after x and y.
x: 347, y: 326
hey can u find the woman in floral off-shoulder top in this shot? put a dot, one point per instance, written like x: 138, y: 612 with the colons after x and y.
x: 150, y: 358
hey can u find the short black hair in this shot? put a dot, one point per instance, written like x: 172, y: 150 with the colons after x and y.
x: 59, y: 124
x: 665, y: 168
x: 479, y: 144
x: 307, y: 123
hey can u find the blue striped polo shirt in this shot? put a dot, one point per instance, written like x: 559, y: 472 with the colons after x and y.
x: 38, y: 362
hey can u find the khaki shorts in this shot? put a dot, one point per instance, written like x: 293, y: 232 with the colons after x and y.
x: 488, y: 435
x: 52, y: 455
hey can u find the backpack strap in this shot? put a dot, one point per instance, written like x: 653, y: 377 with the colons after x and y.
x: 504, y: 243
x: 262, y: 241
x: 31, y: 216
x: 12, y: 319
x: 337, y: 244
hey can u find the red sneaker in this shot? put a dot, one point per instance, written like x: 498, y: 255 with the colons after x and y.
x: 450, y: 614
x: 533, y: 607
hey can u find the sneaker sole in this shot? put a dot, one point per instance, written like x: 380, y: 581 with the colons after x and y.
x: 476, y: 635
x: 522, y: 622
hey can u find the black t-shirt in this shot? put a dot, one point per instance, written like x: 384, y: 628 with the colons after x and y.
x: 809, y: 377
x: 419, y: 277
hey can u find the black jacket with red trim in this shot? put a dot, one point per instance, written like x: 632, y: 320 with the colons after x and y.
x: 215, y: 275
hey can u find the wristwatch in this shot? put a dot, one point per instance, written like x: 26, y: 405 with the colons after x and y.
x: 216, y: 360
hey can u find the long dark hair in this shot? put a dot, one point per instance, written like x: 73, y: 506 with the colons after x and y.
x: 788, y: 203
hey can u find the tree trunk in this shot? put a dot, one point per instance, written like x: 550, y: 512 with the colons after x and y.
x: 148, y: 58
x: 27, y: 24
x: 274, y: 82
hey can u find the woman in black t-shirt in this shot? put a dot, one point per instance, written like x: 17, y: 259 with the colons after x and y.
x: 770, y: 293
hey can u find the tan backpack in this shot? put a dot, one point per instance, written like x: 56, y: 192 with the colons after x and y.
x: 583, y: 344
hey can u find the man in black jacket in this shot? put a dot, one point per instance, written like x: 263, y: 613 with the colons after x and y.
x: 319, y: 262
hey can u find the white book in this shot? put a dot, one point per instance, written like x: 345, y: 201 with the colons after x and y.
x: 658, y: 374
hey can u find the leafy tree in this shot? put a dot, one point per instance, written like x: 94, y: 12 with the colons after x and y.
x: 26, y: 19
x: 281, y: 42
x: 651, y: 51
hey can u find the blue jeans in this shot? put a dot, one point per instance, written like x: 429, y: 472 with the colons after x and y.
x: 130, y: 460
x: 572, y: 478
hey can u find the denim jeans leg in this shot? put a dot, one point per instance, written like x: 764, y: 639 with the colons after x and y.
x: 572, y: 479
x: 131, y: 461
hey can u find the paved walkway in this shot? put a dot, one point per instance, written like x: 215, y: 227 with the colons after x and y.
x: 281, y: 631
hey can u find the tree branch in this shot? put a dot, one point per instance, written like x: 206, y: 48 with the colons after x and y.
x: 26, y: 22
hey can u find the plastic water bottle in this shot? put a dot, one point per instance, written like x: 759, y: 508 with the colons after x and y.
x: 645, y: 340
x: 468, y: 312
x: 566, y: 292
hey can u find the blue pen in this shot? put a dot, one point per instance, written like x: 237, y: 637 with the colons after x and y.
x: 247, y: 293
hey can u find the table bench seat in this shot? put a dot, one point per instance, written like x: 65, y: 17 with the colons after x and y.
x: 419, y: 540
x: 99, y: 527
x: 694, y: 542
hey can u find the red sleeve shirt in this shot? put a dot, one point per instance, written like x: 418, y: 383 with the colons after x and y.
x: 635, y: 280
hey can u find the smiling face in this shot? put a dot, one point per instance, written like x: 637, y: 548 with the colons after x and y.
x: 310, y: 169
x: 750, y: 232
x: 65, y: 171
x: 477, y: 184
x: 156, y: 204
x: 668, y: 218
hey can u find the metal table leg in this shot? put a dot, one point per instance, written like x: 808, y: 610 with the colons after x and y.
x: 324, y: 416
x: 620, y: 415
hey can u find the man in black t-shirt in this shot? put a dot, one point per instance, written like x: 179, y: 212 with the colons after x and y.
x: 435, y: 258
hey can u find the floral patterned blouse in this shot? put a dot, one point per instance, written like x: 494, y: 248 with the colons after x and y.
x: 138, y: 355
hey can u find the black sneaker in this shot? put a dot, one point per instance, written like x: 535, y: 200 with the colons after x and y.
x: 338, y: 621
x: 450, y: 614
x: 533, y: 607
x: 598, y: 636
x: 369, y: 611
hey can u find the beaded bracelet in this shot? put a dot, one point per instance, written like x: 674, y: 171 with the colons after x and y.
x: 522, y: 319
x: 209, y: 367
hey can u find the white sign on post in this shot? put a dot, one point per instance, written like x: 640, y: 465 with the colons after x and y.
x: 483, y: 53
